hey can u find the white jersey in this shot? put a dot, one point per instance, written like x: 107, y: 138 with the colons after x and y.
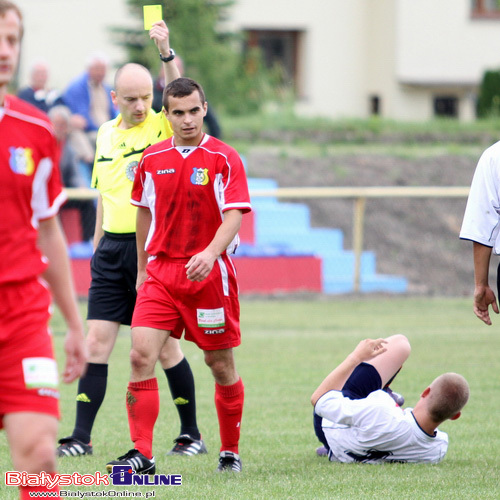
x: 481, y: 221
x: 375, y: 430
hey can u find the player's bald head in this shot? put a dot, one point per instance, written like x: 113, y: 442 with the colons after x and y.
x: 132, y: 75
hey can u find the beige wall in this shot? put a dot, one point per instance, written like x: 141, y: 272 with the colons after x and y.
x: 66, y: 32
x: 359, y: 48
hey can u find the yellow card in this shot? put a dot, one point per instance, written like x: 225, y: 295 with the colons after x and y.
x: 152, y: 14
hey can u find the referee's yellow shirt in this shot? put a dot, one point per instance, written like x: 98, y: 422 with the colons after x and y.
x: 118, y: 152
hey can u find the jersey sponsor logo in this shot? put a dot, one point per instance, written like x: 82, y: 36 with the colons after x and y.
x: 130, y: 170
x: 40, y: 373
x: 217, y: 331
x: 211, y: 318
x: 21, y: 161
x: 199, y: 177
x: 165, y: 171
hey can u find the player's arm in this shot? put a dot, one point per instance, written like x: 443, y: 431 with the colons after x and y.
x: 58, y: 275
x: 367, y: 349
x: 200, y: 265
x: 141, y: 233
x: 99, y: 231
x: 161, y: 36
x: 484, y: 296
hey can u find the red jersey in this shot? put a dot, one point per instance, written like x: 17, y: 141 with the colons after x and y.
x: 30, y: 187
x: 187, y: 189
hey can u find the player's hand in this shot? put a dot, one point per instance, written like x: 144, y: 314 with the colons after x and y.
x: 76, y: 355
x: 161, y: 36
x: 141, y: 278
x: 368, y: 349
x: 483, y: 298
x: 200, y: 265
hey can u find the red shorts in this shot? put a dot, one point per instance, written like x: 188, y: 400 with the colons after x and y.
x: 28, y: 373
x: 208, y: 311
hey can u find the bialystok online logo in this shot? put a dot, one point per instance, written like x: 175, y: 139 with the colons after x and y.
x: 121, y: 476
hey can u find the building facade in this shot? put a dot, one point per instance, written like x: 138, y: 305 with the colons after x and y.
x: 400, y: 59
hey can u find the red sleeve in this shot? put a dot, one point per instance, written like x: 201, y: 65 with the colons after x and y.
x: 48, y: 194
x: 236, y: 195
x: 137, y: 197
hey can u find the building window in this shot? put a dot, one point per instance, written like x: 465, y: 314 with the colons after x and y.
x: 446, y: 106
x: 485, y: 8
x: 279, y: 50
x: 375, y: 105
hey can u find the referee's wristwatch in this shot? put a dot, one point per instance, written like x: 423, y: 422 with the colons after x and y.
x: 169, y: 58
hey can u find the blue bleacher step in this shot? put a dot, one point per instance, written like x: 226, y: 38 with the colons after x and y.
x: 255, y: 184
x: 81, y: 250
x: 284, y: 228
x: 368, y: 284
x: 281, y: 219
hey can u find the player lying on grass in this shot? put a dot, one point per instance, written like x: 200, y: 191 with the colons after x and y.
x: 357, y: 421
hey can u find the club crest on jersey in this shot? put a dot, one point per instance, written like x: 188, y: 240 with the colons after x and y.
x: 21, y: 161
x: 130, y: 170
x: 199, y: 176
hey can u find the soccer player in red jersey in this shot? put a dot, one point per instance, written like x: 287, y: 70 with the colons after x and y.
x: 191, y: 192
x: 33, y: 259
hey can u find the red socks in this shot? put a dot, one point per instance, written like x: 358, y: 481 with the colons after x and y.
x: 143, y: 407
x: 229, y: 405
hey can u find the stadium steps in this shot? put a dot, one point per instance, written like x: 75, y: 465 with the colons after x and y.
x: 284, y: 229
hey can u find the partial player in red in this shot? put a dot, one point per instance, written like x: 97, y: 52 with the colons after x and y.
x: 191, y: 192
x: 33, y: 263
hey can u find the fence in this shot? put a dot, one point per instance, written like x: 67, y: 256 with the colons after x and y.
x: 358, y: 196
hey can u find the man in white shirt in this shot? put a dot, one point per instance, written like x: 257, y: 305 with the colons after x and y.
x: 481, y: 225
x: 357, y: 421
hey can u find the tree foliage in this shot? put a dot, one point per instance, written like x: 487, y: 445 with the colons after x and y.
x: 489, y: 95
x: 233, y: 80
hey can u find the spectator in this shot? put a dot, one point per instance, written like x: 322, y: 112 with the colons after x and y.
x: 89, y: 100
x: 357, y: 421
x: 60, y: 117
x: 33, y: 260
x: 210, y: 122
x: 88, y: 96
x: 37, y: 92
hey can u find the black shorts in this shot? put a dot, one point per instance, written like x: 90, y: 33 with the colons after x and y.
x: 113, y: 269
x: 363, y: 380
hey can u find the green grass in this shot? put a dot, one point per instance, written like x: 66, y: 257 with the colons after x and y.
x: 283, y: 119
x: 288, y: 347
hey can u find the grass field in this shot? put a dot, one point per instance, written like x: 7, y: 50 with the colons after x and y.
x: 288, y: 347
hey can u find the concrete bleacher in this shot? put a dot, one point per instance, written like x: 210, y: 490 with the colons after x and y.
x: 279, y: 253
x: 284, y: 229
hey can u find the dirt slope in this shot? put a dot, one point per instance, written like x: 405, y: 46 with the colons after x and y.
x: 415, y: 238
